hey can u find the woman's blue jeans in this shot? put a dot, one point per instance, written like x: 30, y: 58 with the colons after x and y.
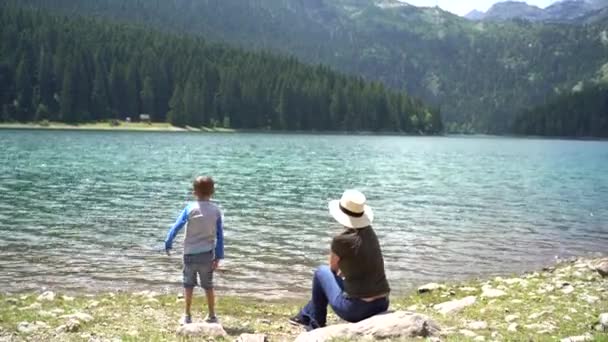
x: 328, y: 289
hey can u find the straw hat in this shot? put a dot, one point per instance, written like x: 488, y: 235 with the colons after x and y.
x: 351, y: 210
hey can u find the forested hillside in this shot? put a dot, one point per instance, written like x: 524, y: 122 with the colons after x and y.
x: 480, y: 74
x: 583, y: 113
x: 74, y: 70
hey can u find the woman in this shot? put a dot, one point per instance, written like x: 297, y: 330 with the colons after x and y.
x: 354, y: 284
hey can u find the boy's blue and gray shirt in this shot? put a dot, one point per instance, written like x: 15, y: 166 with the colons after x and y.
x: 204, y: 229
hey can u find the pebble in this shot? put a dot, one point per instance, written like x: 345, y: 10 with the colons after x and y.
x: 512, y: 327
x: 479, y: 338
x: 541, y: 328
x: 468, y: 289
x: 477, y: 325
x: 412, y: 307
x: 517, y: 301
x: 430, y: 287
x: 46, y: 314
x: 33, y: 306
x: 467, y: 333
x: 133, y: 333
x: 537, y: 315
x: 46, y: 296
x: 604, y: 320
x: 590, y: 299
x: 568, y: 289
x: 511, y: 318
x: 455, y: 305
x: 602, y: 268
x: 81, y: 316
x: 93, y: 304
x: 582, y: 338
x: 488, y: 292
x: 26, y: 327
x: 251, y: 338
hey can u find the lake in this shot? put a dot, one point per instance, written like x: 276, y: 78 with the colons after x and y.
x: 87, y: 211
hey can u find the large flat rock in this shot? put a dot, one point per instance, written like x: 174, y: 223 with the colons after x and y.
x: 400, y: 324
x: 201, y: 329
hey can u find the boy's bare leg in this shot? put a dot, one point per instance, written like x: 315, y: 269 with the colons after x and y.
x: 188, y: 299
x: 210, y: 294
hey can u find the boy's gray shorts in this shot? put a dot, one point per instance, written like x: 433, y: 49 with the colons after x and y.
x: 201, y: 265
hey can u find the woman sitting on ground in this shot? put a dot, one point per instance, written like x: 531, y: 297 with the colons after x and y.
x: 354, y: 284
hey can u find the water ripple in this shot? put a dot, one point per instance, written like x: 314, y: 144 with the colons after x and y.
x: 88, y: 211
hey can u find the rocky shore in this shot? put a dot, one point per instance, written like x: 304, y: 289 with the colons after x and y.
x: 565, y: 302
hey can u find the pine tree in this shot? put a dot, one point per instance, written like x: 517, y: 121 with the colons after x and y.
x: 68, y: 110
x: 176, y: 115
x: 148, y: 101
x: 24, y: 90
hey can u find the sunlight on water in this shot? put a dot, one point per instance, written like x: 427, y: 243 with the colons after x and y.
x: 86, y: 210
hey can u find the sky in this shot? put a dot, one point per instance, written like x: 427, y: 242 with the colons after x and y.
x: 462, y: 7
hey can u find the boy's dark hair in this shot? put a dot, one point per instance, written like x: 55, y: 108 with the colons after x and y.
x: 203, y: 186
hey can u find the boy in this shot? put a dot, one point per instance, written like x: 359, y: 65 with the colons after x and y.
x: 203, y: 244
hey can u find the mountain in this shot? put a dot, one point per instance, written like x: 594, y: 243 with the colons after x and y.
x: 475, y: 15
x: 509, y: 10
x: 565, y: 11
x: 72, y: 69
x: 480, y: 74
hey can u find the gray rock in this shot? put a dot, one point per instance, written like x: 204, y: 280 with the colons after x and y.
x: 46, y: 296
x: 72, y: 325
x: 537, y: 315
x: 430, y: 287
x: 80, y: 316
x: 478, y: 325
x: 467, y: 333
x: 202, y: 329
x: 541, y: 328
x: 251, y: 338
x: 455, y: 305
x: 581, y: 338
x: 93, y: 304
x: 400, y: 324
x: 33, y: 306
x: 589, y: 298
x: 46, y: 314
x: 26, y: 327
x: 602, y: 268
x: 568, y: 289
x: 488, y: 292
x: 604, y: 321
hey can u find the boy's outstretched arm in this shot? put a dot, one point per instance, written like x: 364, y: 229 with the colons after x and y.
x: 219, y: 245
x: 177, y: 226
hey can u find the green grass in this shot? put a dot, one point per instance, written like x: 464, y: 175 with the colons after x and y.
x: 137, y: 317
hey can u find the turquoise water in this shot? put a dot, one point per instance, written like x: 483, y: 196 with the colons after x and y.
x: 85, y: 210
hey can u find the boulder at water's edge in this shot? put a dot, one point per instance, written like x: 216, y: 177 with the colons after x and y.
x: 384, y: 326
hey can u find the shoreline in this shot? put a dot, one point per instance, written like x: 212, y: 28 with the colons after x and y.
x: 157, y: 127
x: 556, y: 302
